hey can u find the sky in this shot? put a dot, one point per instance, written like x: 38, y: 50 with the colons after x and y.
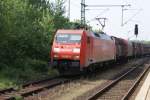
x: 137, y: 13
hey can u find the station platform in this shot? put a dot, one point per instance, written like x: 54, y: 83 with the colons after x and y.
x: 144, y: 93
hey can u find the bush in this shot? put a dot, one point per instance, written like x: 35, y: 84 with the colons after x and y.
x: 26, y: 31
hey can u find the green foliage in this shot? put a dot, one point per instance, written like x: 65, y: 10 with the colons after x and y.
x: 19, y: 98
x: 26, y: 31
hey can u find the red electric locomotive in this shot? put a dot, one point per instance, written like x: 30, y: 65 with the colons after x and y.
x: 78, y: 49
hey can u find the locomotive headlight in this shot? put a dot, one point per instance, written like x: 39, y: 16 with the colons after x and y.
x: 56, y: 50
x: 56, y: 56
x: 76, y: 50
x: 76, y: 57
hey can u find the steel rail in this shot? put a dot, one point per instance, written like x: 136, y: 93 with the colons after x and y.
x: 11, y: 89
x: 44, y: 87
x: 37, y: 90
x: 111, y: 84
x: 131, y: 90
x: 11, y: 93
x: 38, y: 81
x: 6, y: 90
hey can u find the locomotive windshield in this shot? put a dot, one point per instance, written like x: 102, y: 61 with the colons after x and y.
x: 68, y: 38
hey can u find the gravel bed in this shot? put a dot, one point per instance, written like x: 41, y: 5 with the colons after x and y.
x: 119, y: 90
x: 74, y: 89
x: 140, y: 84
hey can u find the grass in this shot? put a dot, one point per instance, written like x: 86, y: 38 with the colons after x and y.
x: 6, y: 83
x: 28, y: 71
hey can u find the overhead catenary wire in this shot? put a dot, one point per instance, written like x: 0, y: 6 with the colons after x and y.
x: 83, y: 6
x: 88, y: 8
x: 107, y: 5
x: 93, y: 9
x: 132, y: 16
x: 104, y: 11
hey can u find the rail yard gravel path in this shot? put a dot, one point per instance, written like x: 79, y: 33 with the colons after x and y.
x: 74, y: 89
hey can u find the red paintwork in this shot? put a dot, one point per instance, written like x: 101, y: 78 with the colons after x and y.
x: 66, y: 49
x: 92, y: 49
x: 96, y: 49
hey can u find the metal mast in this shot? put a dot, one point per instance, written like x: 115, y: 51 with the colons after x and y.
x: 82, y: 12
x: 69, y: 9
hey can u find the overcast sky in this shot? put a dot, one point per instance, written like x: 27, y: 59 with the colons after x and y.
x: 139, y: 9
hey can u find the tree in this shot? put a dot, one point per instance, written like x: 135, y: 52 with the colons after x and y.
x: 26, y: 28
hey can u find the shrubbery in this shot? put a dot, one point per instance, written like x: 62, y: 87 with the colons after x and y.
x: 26, y: 31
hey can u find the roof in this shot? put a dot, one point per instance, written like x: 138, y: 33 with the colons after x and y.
x: 70, y: 31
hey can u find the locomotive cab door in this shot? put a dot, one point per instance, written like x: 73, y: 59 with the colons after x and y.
x: 89, y: 50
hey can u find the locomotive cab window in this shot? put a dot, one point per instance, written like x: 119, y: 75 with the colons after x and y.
x: 68, y: 38
x: 97, y: 35
x: 105, y: 37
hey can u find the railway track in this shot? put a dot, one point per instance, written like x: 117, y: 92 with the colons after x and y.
x: 122, y: 86
x: 42, y: 85
x: 32, y: 88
